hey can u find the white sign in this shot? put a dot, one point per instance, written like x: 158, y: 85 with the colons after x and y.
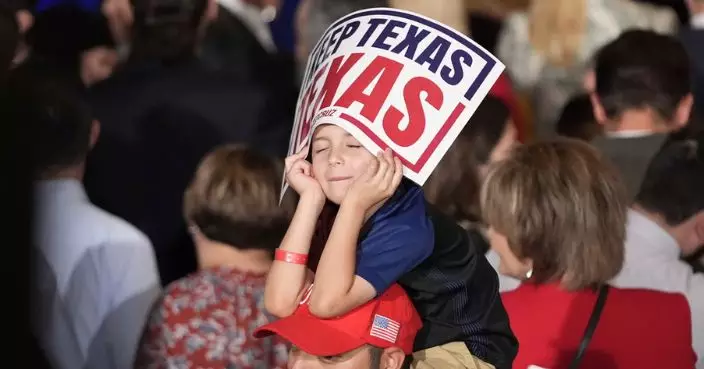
x: 393, y: 78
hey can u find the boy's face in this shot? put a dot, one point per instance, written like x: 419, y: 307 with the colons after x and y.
x: 338, y: 159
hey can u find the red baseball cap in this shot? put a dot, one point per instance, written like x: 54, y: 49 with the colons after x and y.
x: 389, y: 320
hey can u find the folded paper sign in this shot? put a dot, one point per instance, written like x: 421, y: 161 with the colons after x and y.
x: 393, y: 78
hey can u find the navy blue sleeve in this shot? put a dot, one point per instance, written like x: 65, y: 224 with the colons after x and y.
x: 392, y: 248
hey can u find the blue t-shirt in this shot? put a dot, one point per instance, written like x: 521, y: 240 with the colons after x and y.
x: 398, y: 237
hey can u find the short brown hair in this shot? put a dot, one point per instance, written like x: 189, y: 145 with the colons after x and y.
x: 234, y: 198
x: 562, y: 205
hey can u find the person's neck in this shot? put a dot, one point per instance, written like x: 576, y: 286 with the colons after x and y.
x: 635, y: 121
x: 212, y: 254
x: 75, y: 172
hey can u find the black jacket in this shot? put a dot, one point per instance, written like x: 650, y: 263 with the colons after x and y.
x: 157, y: 122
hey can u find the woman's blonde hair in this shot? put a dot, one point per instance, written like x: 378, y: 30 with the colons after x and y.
x: 557, y: 28
x: 562, y: 205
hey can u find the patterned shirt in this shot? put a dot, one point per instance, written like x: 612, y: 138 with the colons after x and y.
x: 206, y: 320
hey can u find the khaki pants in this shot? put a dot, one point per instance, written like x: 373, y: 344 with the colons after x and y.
x: 454, y: 355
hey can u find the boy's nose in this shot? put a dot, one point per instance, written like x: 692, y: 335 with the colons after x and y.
x: 335, y: 159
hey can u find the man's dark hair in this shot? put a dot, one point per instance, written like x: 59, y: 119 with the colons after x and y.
x: 577, y: 119
x: 166, y: 30
x: 642, y: 69
x: 59, y: 120
x: 673, y: 186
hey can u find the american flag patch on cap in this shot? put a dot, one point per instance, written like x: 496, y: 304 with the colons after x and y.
x: 384, y: 328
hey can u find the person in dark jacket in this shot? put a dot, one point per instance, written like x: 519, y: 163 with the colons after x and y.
x: 160, y: 113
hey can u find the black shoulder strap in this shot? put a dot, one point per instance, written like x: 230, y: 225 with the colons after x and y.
x: 593, y: 321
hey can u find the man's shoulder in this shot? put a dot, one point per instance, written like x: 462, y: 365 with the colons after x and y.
x: 115, y: 230
x: 650, y: 143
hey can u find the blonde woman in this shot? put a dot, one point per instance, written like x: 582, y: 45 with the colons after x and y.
x: 547, y: 48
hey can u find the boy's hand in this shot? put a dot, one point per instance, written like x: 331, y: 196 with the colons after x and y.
x: 376, y: 185
x: 299, y: 177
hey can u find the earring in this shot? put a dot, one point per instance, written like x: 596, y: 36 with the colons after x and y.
x: 529, y: 273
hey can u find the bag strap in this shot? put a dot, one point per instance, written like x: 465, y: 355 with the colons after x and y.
x: 593, y: 321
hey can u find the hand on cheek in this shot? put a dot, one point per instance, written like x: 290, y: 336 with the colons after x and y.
x: 299, y: 175
x: 377, y: 184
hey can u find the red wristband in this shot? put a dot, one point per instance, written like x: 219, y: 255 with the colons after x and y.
x: 290, y: 257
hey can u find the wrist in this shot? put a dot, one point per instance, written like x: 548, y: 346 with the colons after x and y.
x: 354, y: 208
x: 309, y: 201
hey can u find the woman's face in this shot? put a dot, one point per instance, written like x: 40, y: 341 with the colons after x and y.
x: 338, y: 160
x: 509, y: 264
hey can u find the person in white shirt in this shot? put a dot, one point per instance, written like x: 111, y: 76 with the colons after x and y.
x: 667, y: 223
x: 96, y: 275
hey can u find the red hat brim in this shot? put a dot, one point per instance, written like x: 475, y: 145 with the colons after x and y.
x: 311, y: 335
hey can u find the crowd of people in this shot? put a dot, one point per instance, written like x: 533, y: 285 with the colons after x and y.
x: 563, y: 228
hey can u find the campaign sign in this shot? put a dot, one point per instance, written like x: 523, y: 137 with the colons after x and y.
x: 393, y: 78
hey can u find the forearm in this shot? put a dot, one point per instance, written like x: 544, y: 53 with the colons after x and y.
x: 335, y: 275
x: 286, y: 280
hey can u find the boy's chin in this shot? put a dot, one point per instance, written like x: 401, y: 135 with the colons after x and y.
x: 337, y: 200
x: 336, y: 197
